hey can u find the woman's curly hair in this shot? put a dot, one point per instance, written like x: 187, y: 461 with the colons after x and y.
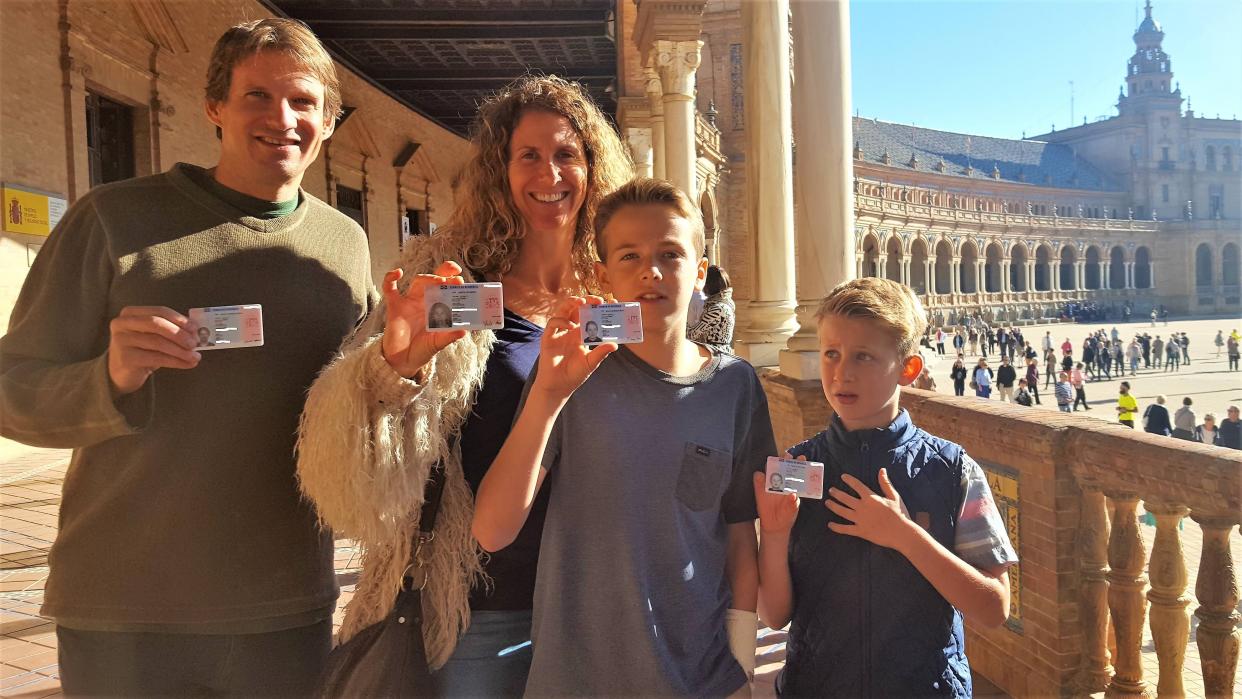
x: 485, y: 224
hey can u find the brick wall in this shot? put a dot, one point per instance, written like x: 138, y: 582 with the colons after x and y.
x: 153, y: 57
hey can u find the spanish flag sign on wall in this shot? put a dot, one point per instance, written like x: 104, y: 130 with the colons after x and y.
x: 31, y: 211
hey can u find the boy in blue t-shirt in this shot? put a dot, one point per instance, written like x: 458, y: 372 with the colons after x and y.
x: 647, y: 577
x: 877, y: 577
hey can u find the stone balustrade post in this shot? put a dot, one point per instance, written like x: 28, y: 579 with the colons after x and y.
x: 1095, y: 670
x: 1127, y: 605
x: 1217, y: 591
x: 1170, y: 618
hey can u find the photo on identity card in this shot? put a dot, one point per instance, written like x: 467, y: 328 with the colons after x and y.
x: 464, y: 307
x: 621, y: 323
x: 227, y: 327
x: 806, y: 478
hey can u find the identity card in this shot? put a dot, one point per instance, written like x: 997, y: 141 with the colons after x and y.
x: 228, y: 327
x: 465, y: 307
x: 621, y: 323
x: 806, y: 478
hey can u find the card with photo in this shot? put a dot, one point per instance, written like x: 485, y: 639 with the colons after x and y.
x: 465, y: 307
x: 227, y: 327
x: 621, y: 323
x: 806, y: 478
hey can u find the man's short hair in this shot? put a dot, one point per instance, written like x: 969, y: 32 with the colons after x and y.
x: 894, y: 306
x: 287, y: 36
x: 642, y: 191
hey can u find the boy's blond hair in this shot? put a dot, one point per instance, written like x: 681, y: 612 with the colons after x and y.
x: 642, y: 191
x: 287, y: 36
x: 892, y: 305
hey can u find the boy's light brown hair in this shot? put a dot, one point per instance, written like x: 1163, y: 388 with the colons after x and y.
x: 642, y: 191
x: 894, y: 306
x: 287, y: 36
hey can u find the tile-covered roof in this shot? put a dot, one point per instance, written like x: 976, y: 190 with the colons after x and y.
x: 978, y: 157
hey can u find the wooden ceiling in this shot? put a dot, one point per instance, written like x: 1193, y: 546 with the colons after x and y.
x: 443, y: 57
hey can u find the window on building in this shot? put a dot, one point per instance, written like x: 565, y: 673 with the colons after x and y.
x: 1164, y: 153
x: 349, y: 202
x: 414, y: 223
x: 109, y: 139
x: 1164, y: 193
x: 1216, y: 201
x: 1209, y: 158
x: 1227, y: 157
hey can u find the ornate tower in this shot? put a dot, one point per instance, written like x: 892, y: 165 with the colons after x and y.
x: 1149, y: 75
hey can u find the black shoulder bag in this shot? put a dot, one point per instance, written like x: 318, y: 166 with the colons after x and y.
x: 388, y: 659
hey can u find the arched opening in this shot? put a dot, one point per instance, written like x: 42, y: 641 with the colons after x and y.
x: 918, y: 266
x: 1142, y: 268
x: 1229, y: 270
x: 892, y: 266
x: 992, y: 269
x: 1209, y: 158
x: 944, y: 267
x: 710, y: 233
x: 1017, y: 267
x: 1068, y: 259
x: 1116, y: 268
x: 970, y: 258
x: 1093, y: 271
x: 1043, y: 268
x: 1203, y: 265
x: 871, y: 257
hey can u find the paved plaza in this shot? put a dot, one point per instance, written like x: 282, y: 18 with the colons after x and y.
x: 30, y: 486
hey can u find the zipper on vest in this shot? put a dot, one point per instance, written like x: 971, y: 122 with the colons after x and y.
x: 866, y: 635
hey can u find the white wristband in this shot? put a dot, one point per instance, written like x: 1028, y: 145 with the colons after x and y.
x: 743, y: 628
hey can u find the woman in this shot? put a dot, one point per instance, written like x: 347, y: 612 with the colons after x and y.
x: 715, y: 325
x: 1050, y: 367
x: 400, y: 399
x: 958, y: 375
x: 1156, y: 418
x: 1184, y: 421
x: 1207, y: 432
x: 925, y: 381
x: 1032, y: 379
x: 983, y: 379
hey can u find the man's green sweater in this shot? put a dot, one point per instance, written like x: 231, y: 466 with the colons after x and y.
x: 180, y: 509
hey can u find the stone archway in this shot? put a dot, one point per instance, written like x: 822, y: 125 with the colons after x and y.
x: 1116, y: 268
x: 1094, y: 270
x: 968, y: 274
x: 1142, y: 268
x: 918, y: 266
x: 1043, y: 268
x: 1229, y: 269
x: 944, y: 267
x: 1018, y: 257
x: 893, y: 259
x: 871, y: 257
x: 1069, y: 258
x: 992, y: 268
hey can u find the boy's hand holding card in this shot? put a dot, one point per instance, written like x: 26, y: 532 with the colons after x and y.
x: 565, y: 363
x: 806, y: 478
x: 777, y: 508
x: 619, y: 323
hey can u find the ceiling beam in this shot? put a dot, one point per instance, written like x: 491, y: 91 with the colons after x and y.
x: 342, y: 31
x: 461, y: 16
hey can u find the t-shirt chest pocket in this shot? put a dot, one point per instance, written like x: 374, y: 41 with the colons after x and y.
x: 703, y: 472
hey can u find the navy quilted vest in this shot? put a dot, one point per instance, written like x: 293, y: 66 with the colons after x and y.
x: 865, y: 622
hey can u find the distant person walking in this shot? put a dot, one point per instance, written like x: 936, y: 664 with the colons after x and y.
x: 1184, y: 422
x: 1080, y: 391
x: 1230, y: 430
x: 1156, y: 418
x: 1219, y: 341
x: 1126, y: 405
x: 1232, y: 351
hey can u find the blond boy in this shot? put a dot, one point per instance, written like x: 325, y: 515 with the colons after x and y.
x: 877, y: 577
x: 649, y: 543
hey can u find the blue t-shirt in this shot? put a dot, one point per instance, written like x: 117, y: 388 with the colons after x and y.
x: 511, y: 569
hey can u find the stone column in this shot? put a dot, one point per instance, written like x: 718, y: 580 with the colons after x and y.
x: 1129, y: 275
x: 1216, y: 588
x: 1169, y: 617
x: 676, y: 63
x: 1030, y: 276
x: 1151, y: 265
x: 1006, y: 282
x: 639, y: 141
x: 1104, y: 272
x: 1127, y: 558
x: 955, y: 276
x: 824, y: 192
x: 1080, y: 275
x: 769, y: 316
x: 655, y: 97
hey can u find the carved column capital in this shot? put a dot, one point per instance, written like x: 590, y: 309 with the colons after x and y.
x: 676, y: 62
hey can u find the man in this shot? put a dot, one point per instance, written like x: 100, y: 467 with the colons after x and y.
x: 1126, y: 405
x: 1005, y: 377
x: 186, y: 562
x: 1231, y: 429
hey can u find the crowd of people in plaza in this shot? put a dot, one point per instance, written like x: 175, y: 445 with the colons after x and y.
x: 538, y: 514
x: 1103, y: 355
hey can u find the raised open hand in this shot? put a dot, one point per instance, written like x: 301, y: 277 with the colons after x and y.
x: 564, y: 362
x: 407, y: 344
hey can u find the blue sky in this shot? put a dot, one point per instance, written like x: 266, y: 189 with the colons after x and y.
x: 1001, y: 67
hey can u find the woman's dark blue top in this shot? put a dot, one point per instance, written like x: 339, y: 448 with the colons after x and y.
x: 512, y: 569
